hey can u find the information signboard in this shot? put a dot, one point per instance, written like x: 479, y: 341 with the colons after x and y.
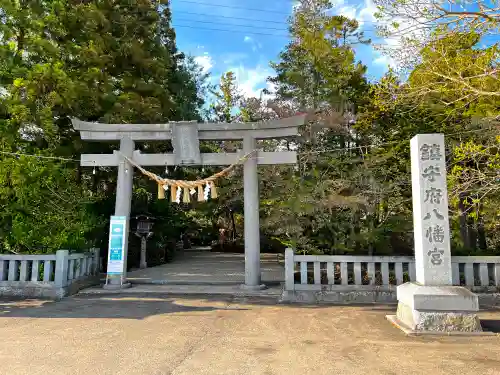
x: 116, y: 248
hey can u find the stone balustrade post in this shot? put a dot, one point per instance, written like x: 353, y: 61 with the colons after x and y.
x: 96, y: 264
x: 61, y: 269
x: 289, y: 270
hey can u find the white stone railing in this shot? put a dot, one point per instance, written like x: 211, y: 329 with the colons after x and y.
x: 346, y: 272
x: 46, y: 275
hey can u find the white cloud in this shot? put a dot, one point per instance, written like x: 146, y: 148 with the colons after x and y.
x: 381, y: 60
x: 363, y: 13
x: 205, y: 61
x: 232, y: 58
x: 385, y: 61
x: 255, y: 45
x: 403, y: 44
x: 367, y: 13
x: 251, y: 81
x: 346, y: 11
x: 335, y: 3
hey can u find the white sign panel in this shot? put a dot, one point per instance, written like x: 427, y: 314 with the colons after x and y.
x: 116, y: 247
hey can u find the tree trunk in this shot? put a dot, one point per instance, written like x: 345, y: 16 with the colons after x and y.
x: 382, y: 211
x: 233, y: 224
x: 78, y: 175
x: 481, y: 234
x: 355, y: 229
x: 371, y: 228
x: 464, y: 233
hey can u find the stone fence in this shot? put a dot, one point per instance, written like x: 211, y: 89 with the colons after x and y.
x: 51, y: 275
x: 362, y: 279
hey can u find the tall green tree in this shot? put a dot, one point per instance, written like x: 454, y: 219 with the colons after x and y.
x: 457, y: 73
x: 351, y: 191
x: 227, y: 98
x: 318, y: 73
x: 438, y: 37
x: 318, y: 66
x: 110, y: 61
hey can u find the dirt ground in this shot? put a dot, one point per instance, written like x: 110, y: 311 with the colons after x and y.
x: 156, y: 335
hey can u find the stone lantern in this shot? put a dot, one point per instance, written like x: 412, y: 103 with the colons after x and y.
x: 144, y: 224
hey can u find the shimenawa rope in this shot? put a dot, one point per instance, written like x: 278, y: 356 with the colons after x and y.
x: 187, y: 185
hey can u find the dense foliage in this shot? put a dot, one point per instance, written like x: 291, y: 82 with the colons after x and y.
x: 109, y: 61
x: 352, y: 192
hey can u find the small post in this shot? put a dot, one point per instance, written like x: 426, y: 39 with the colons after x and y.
x: 96, y: 266
x: 496, y: 271
x: 83, y: 265
x: 3, y: 270
x: 35, y: 269
x: 143, y: 262
x: 61, y: 270
x: 23, y: 275
x: 289, y: 270
x: 12, y: 270
x: 90, y: 263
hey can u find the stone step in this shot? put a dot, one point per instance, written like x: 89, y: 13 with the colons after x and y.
x: 138, y: 281
x: 213, y: 290
x: 148, y: 281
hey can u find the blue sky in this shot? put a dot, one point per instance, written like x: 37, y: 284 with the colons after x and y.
x: 245, y: 35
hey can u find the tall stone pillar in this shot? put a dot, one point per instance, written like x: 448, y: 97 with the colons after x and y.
x: 251, y: 215
x: 430, y: 210
x: 432, y: 304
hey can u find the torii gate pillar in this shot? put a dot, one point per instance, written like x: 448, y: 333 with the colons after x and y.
x: 251, y: 217
x: 123, y: 201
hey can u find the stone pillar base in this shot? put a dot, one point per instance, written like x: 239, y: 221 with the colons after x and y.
x: 438, y: 320
x: 116, y: 286
x: 253, y: 287
x: 436, y: 310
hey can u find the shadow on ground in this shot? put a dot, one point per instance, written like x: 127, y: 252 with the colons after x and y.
x: 491, y: 325
x: 102, y: 307
x: 141, y: 306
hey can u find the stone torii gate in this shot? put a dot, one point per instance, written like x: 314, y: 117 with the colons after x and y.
x: 185, y: 138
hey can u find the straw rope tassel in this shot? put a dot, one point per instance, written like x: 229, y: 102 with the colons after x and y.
x: 173, y: 193
x: 200, y: 193
x: 179, y: 184
x: 186, y: 198
x: 213, y: 190
x: 161, y: 192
